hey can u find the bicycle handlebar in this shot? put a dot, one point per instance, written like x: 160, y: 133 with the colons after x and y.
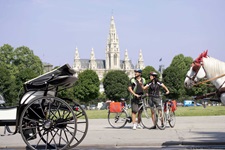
x: 143, y: 96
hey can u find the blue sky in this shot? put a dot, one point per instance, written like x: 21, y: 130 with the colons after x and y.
x: 160, y: 28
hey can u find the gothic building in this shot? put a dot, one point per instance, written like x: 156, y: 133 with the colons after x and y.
x: 112, y: 58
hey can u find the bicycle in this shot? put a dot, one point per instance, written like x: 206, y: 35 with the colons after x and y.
x: 122, y: 117
x: 169, y: 109
x: 167, y: 115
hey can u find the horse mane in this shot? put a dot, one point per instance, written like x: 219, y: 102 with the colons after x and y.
x: 214, y: 66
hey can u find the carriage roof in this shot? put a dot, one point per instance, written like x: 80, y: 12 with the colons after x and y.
x: 62, y: 76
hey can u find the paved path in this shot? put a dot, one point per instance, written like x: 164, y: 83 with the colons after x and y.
x: 189, y: 132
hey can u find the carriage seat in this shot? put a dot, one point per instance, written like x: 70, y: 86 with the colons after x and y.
x: 8, y: 115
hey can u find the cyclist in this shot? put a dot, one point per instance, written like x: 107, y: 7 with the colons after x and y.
x: 136, y: 90
x: 153, y: 91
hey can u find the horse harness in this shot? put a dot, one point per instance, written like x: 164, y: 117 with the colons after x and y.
x: 196, y: 67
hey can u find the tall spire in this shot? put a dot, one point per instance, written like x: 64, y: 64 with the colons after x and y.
x: 77, y: 63
x: 77, y: 54
x: 92, y: 54
x: 92, y: 63
x: 140, y: 63
x: 126, y: 58
x: 112, y: 48
x: 127, y: 65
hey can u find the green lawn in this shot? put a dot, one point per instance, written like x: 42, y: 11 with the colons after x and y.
x: 181, y: 111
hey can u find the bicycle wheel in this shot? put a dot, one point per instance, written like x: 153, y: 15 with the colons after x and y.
x: 146, y: 118
x: 160, y: 120
x: 82, y: 122
x: 117, y: 120
x: 172, y: 119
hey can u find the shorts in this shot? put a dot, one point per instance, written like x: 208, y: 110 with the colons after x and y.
x: 135, y: 105
x: 155, y: 101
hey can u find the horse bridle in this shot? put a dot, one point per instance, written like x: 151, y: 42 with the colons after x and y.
x: 195, y: 67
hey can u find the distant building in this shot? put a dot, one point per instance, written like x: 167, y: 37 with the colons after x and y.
x: 112, y: 58
x: 47, y: 67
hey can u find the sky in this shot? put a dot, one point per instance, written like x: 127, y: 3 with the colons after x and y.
x: 160, y: 28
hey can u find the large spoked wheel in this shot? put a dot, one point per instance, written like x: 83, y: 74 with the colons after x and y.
x: 146, y: 118
x: 172, y: 119
x: 118, y: 120
x: 48, y: 123
x: 160, y: 119
x: 82, y: 123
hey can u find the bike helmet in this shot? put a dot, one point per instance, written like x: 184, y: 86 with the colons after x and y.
x: 153, y: 74
x: 138, y: 70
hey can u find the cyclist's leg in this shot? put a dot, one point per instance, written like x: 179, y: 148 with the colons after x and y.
x: 140, y: 111
x: 134, y: 110
x: 154, y: 117
x: 133, y: 117
x: 139, y: 115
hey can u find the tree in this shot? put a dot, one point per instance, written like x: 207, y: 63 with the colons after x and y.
x: 87, y: 86
x: 17, y: 66
x: 146, y: 71
x: 7, y: 84
x: 66, y: 93
x: 25, y: 60
x: 7, y: 78
x: 115, y: 84
x: 6, y: 55
x: 174, y: 75
x: 28, y: 65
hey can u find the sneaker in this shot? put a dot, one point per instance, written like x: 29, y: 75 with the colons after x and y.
x: 134, y: 127
x: 139, y: 126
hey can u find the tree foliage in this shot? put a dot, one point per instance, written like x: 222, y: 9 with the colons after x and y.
x: 17, y: 66
x: 7, y: 76
x: 146, y: 71
x: 87, y: 86
x: 115, y: 84
x: 174, y: 75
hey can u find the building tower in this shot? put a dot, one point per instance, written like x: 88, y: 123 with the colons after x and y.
x: 92, y: 63
x: 112, y: 48
x: 126, y: 65
x: 140, y: 64
x: 77, y: 63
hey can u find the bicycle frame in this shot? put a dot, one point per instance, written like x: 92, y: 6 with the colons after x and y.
x: 142, y: 106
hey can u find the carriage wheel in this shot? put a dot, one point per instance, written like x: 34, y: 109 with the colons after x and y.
x: 82, y: 123
x: 48, y: 123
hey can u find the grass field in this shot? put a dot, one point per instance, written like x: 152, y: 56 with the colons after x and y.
x: 181, y: 111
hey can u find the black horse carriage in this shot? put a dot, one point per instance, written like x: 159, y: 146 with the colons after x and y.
x: 44, y: 120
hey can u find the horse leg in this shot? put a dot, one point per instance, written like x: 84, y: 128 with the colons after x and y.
x: 222, y: 98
